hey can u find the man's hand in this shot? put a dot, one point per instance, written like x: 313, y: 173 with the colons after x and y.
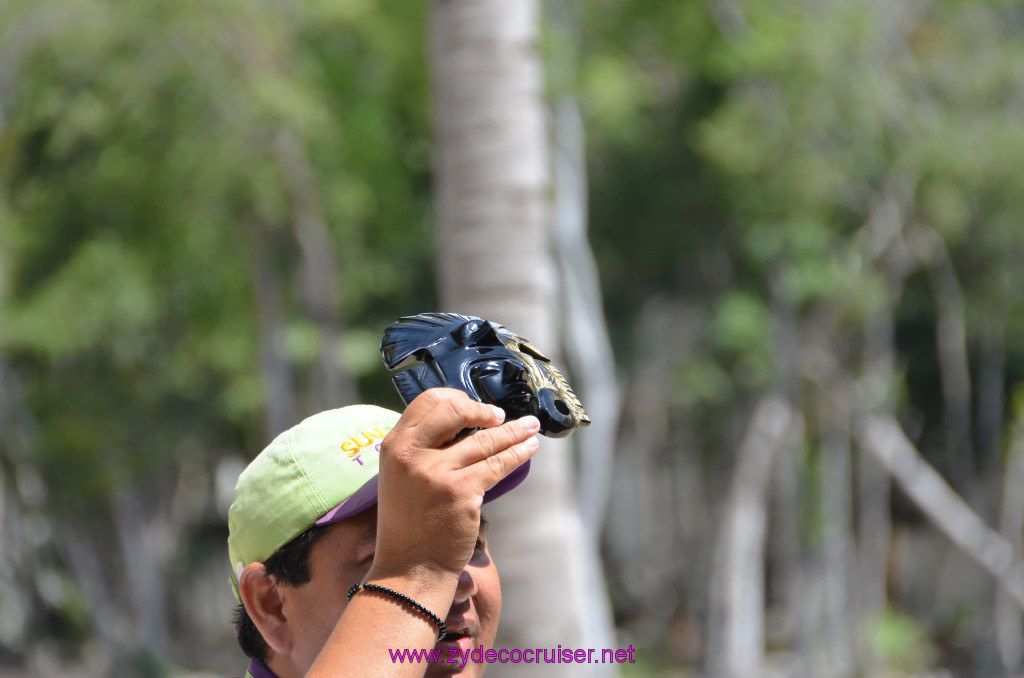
x: 431, y: 489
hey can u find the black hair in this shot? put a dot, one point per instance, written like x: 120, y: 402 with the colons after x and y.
x: 288, y: 565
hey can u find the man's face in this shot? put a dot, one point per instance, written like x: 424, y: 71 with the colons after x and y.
x: 342, y: 557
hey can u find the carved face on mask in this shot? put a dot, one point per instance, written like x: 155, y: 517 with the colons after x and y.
x: 487, y: 362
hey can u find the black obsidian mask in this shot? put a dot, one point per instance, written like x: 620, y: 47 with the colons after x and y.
x: 484, y: 360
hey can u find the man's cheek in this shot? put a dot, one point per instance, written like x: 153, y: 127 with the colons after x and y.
x: 489, y: 609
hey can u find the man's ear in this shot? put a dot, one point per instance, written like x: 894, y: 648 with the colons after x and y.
x: 262, y: 601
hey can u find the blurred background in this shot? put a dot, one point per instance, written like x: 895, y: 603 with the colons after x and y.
x: 777, y: 247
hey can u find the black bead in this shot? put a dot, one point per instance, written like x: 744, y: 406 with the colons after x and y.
x: 442, y: 631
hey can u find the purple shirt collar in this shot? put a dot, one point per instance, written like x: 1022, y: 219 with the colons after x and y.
x: 258, y: 670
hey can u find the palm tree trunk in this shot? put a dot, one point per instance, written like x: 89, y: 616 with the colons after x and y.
x: 495, y: 260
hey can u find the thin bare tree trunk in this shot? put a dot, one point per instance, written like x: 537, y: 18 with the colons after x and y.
x: 951, y: 341
x: 319, y: 276
x: 736, y: 625
x: 590, y: 356
x: 275, y: 372
x: 81, y: 556
x: 837, y: 526
x: 885, y: 246
x: 494, y: 260
x: 143, y: 580
x: 791, y: 572
x: 991, y: 405
x: 874, y: 526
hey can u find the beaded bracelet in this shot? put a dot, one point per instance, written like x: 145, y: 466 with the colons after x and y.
x: 441, y: 630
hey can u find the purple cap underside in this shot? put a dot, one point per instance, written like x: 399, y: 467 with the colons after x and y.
x: 366, y: 496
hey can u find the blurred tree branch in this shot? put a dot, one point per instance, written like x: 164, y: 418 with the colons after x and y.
x: 950, y: 514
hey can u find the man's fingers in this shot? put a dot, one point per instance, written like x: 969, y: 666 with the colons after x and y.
x: 446, y: 415
x: 495, y: 467
x: 490, y: 441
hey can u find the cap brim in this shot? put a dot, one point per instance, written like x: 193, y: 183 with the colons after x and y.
x: 362, y: 499
x: 366, y: 496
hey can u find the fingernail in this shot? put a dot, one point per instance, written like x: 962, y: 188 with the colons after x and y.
x: 530, y: 423
x: 498, y: 412
x: 532, y: 443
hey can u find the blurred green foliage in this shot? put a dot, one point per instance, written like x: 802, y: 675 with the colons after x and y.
x: 901, y: 642
x: 771, y: 133
x: 139, y: 166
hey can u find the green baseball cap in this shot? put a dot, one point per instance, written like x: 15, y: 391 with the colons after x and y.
x: 322, y: 470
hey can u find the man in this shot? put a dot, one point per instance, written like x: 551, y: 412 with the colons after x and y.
x: 361, y: 496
